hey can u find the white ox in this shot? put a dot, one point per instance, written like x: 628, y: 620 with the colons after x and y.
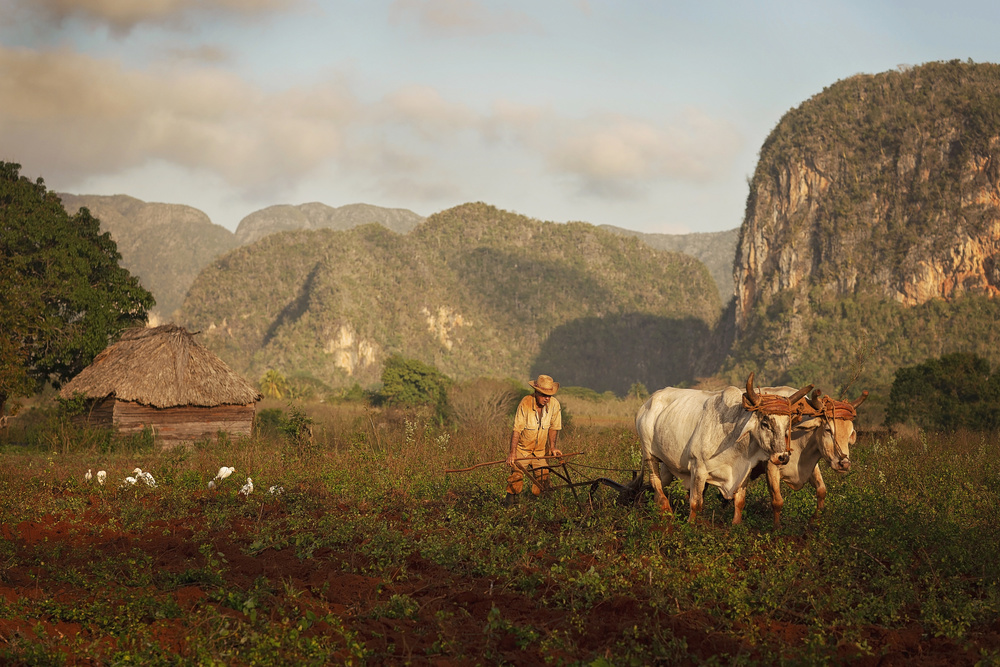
x: 826, y: 431
x: 711, y: 437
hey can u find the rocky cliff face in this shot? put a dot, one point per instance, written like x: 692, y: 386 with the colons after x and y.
x: 887, y: 185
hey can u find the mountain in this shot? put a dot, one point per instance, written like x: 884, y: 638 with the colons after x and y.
x: 285, y: 217
x: 716, y: 250
x: 872, y: 230
x: 167, y: 245
x: 474, y: 290
x: 164, y: 245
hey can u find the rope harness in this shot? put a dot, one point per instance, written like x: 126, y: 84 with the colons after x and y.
x: 832, y: 411
x: 772, y: 404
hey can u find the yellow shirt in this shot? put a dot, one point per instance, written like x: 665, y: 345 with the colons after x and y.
x: 534, y: 431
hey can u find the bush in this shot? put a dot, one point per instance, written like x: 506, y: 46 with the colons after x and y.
x: 410, y: 382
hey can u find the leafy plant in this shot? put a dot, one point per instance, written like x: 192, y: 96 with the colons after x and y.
x: 63, y: 294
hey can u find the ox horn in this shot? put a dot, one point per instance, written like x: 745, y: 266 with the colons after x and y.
x: 751, y: 394
x: 814, y: 401
x: 799, y: 394
x: 860, y: 399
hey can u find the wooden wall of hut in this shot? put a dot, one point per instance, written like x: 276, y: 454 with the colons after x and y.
x: 186, y: 423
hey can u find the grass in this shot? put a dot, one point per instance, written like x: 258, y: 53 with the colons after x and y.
x: 373, y: 555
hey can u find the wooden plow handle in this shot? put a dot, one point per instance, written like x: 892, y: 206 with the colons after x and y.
x: 526, y: 458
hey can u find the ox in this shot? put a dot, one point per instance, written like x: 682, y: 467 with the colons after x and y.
x: 826, y: 431
x: 712, y: 437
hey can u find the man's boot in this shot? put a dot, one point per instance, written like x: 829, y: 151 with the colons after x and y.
x: 510, y: 500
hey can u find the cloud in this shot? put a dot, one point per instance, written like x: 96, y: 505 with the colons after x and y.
x: 76, y: 115
x: 123, y: 15
x: 204, y: 53
x: 614, y: 156
x: 70, y: 116
x: 426, y: 112
x: 449, y: 18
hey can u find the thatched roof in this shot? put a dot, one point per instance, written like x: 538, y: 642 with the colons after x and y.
x: 163, y: 367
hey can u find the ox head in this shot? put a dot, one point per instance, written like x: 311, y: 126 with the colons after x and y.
x: 770, y: 425
x: 832, y: 426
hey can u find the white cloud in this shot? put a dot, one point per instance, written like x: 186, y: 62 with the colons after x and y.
x: 71, y: 117
x: 445, y: 18
x: 616, y: 155
x: 78, y: 115
x: 123, y: 15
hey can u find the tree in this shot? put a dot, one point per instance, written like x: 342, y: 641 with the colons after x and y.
x: 63, y: 295
x: 412, y: 382
x: 273, y: 384
x: 954, y: 391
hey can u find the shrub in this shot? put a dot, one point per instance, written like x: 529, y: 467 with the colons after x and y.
x: 410, y: 382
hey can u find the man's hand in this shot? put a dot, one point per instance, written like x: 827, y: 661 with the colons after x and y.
x: 510, y: 459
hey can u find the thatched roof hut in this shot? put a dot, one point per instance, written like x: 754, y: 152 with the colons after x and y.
x: 163, y: 378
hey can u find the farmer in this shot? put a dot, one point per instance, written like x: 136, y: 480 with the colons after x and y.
x: 537, y: 423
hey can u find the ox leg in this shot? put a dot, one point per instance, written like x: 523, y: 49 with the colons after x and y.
x: 739, y: 502
x: 774, y: 486
x: 657, y: 482
x: 817, y: 481
x: 697, y: 494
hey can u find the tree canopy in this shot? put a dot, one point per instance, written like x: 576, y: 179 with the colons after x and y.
x: 411, y: 382
x: 63, y: 294
x: 951, y: 392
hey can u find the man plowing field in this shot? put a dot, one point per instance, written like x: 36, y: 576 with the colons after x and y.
x: 537, y: 423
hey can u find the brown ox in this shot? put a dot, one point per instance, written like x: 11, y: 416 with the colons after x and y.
x: 824, y: 430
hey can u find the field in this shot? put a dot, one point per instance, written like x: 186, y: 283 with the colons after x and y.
x: 373, y: 555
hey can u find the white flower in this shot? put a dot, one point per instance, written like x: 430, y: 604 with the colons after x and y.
x: 276, y: 490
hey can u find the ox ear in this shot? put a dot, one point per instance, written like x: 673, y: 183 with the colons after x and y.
x: 743, y: 439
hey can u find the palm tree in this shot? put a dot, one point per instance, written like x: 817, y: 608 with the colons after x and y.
x: 273, y: 384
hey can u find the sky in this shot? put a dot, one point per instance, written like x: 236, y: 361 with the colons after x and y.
x: 647, y: 115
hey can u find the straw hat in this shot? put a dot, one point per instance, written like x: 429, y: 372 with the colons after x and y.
x: 545, y: 385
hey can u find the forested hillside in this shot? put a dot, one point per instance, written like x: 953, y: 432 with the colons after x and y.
x: 873, y: 230
x: 716, y: 250
x: 164, y: 245
x: 474, y: 290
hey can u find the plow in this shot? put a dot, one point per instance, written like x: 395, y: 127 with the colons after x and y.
x: 569, y: 475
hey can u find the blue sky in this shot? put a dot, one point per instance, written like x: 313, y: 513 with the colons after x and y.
x: 645, y: 115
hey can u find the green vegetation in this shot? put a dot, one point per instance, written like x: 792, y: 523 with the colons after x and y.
x: 411, y: 382
x: 164, y: 245
x: 62, y: 293
x: 473, y: 291
x: 858, y: 342
x: 953, y: 392
x: 373, y: 555
x: 862, y: 194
